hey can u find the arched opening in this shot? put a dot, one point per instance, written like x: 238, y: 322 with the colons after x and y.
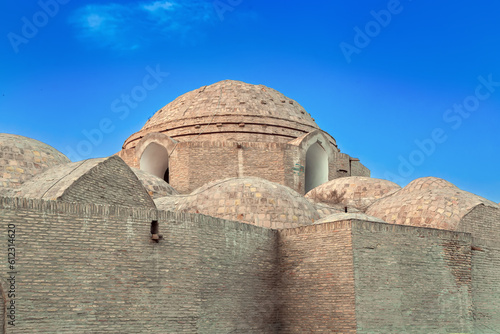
x: 316, y: 166
x: 154, y: 160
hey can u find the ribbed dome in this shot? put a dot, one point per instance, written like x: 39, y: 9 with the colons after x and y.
x: 21, y: 158
x: 230, y: 110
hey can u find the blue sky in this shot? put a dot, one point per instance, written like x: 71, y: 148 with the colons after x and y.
x: 412, y: 88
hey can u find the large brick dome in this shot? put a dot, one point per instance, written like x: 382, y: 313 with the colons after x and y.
x: 230, y: 110
x: 234, y: 129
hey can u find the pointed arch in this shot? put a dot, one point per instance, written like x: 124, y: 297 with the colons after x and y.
x: 154, y: 159
x: 316, y: 168
x: 318, y: 149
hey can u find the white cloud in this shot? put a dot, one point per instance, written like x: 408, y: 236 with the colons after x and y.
x: 95, y: 21
x: 130, y: 26
x: 157, y: 5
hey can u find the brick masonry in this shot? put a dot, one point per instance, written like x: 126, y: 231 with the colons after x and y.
x: 22, y: 157
x: 486, y: 286
x: 193, y: 164
x: 404, y: 279
x: 234, y: 129
x: 93, y: 181
x: 230, y: 110
x: 317, y: 279
x: 251, y: 200
x: 94, y: 269
x: 411, y: 280
x: 484, y: 223
x: 357, y: 192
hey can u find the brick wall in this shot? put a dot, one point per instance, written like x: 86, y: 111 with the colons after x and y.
x: 486, y: 286
x: 194, y: 164
x: 483, y: 222
x: 358, y: 169
x: 411, y: 280
x: 128, y: 155
x: 267, y: 160
x: 94, y: 269
x: 317, y: 279
x: 341, y: 166
x: 89, y: 268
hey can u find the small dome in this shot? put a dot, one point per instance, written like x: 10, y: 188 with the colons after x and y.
x: 229, y: 110
x: 430, y: 182
x: 21, y: 158
x: 427, y: 202
x: 252, y: 200
x: 354, y: 191
x: 155, y: 186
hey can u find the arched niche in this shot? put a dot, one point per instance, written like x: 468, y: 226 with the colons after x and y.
x: 154, y: 159
x: 316, y: 169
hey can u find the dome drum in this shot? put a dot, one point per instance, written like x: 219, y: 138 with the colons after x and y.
x: 234, y: 129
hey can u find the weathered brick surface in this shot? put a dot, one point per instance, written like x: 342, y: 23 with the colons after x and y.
x: 193, y: 164
x: 235, y: 129
x: 341, y: 166
x: 251, y: 200
x: 483, y: 222
x: 155, y: 186
x: 411, y: 280
x: 92, y: 181
x: 221, y: 110
x: 21, y: 158
x: 353, y: 191
x: 317, y: 279
x: 427, y: 202
x: 94, y: 269
x: 358, y: 169
x: 486, y: 286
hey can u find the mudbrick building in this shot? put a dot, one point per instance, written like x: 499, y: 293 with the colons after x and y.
x: 231, y: 211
